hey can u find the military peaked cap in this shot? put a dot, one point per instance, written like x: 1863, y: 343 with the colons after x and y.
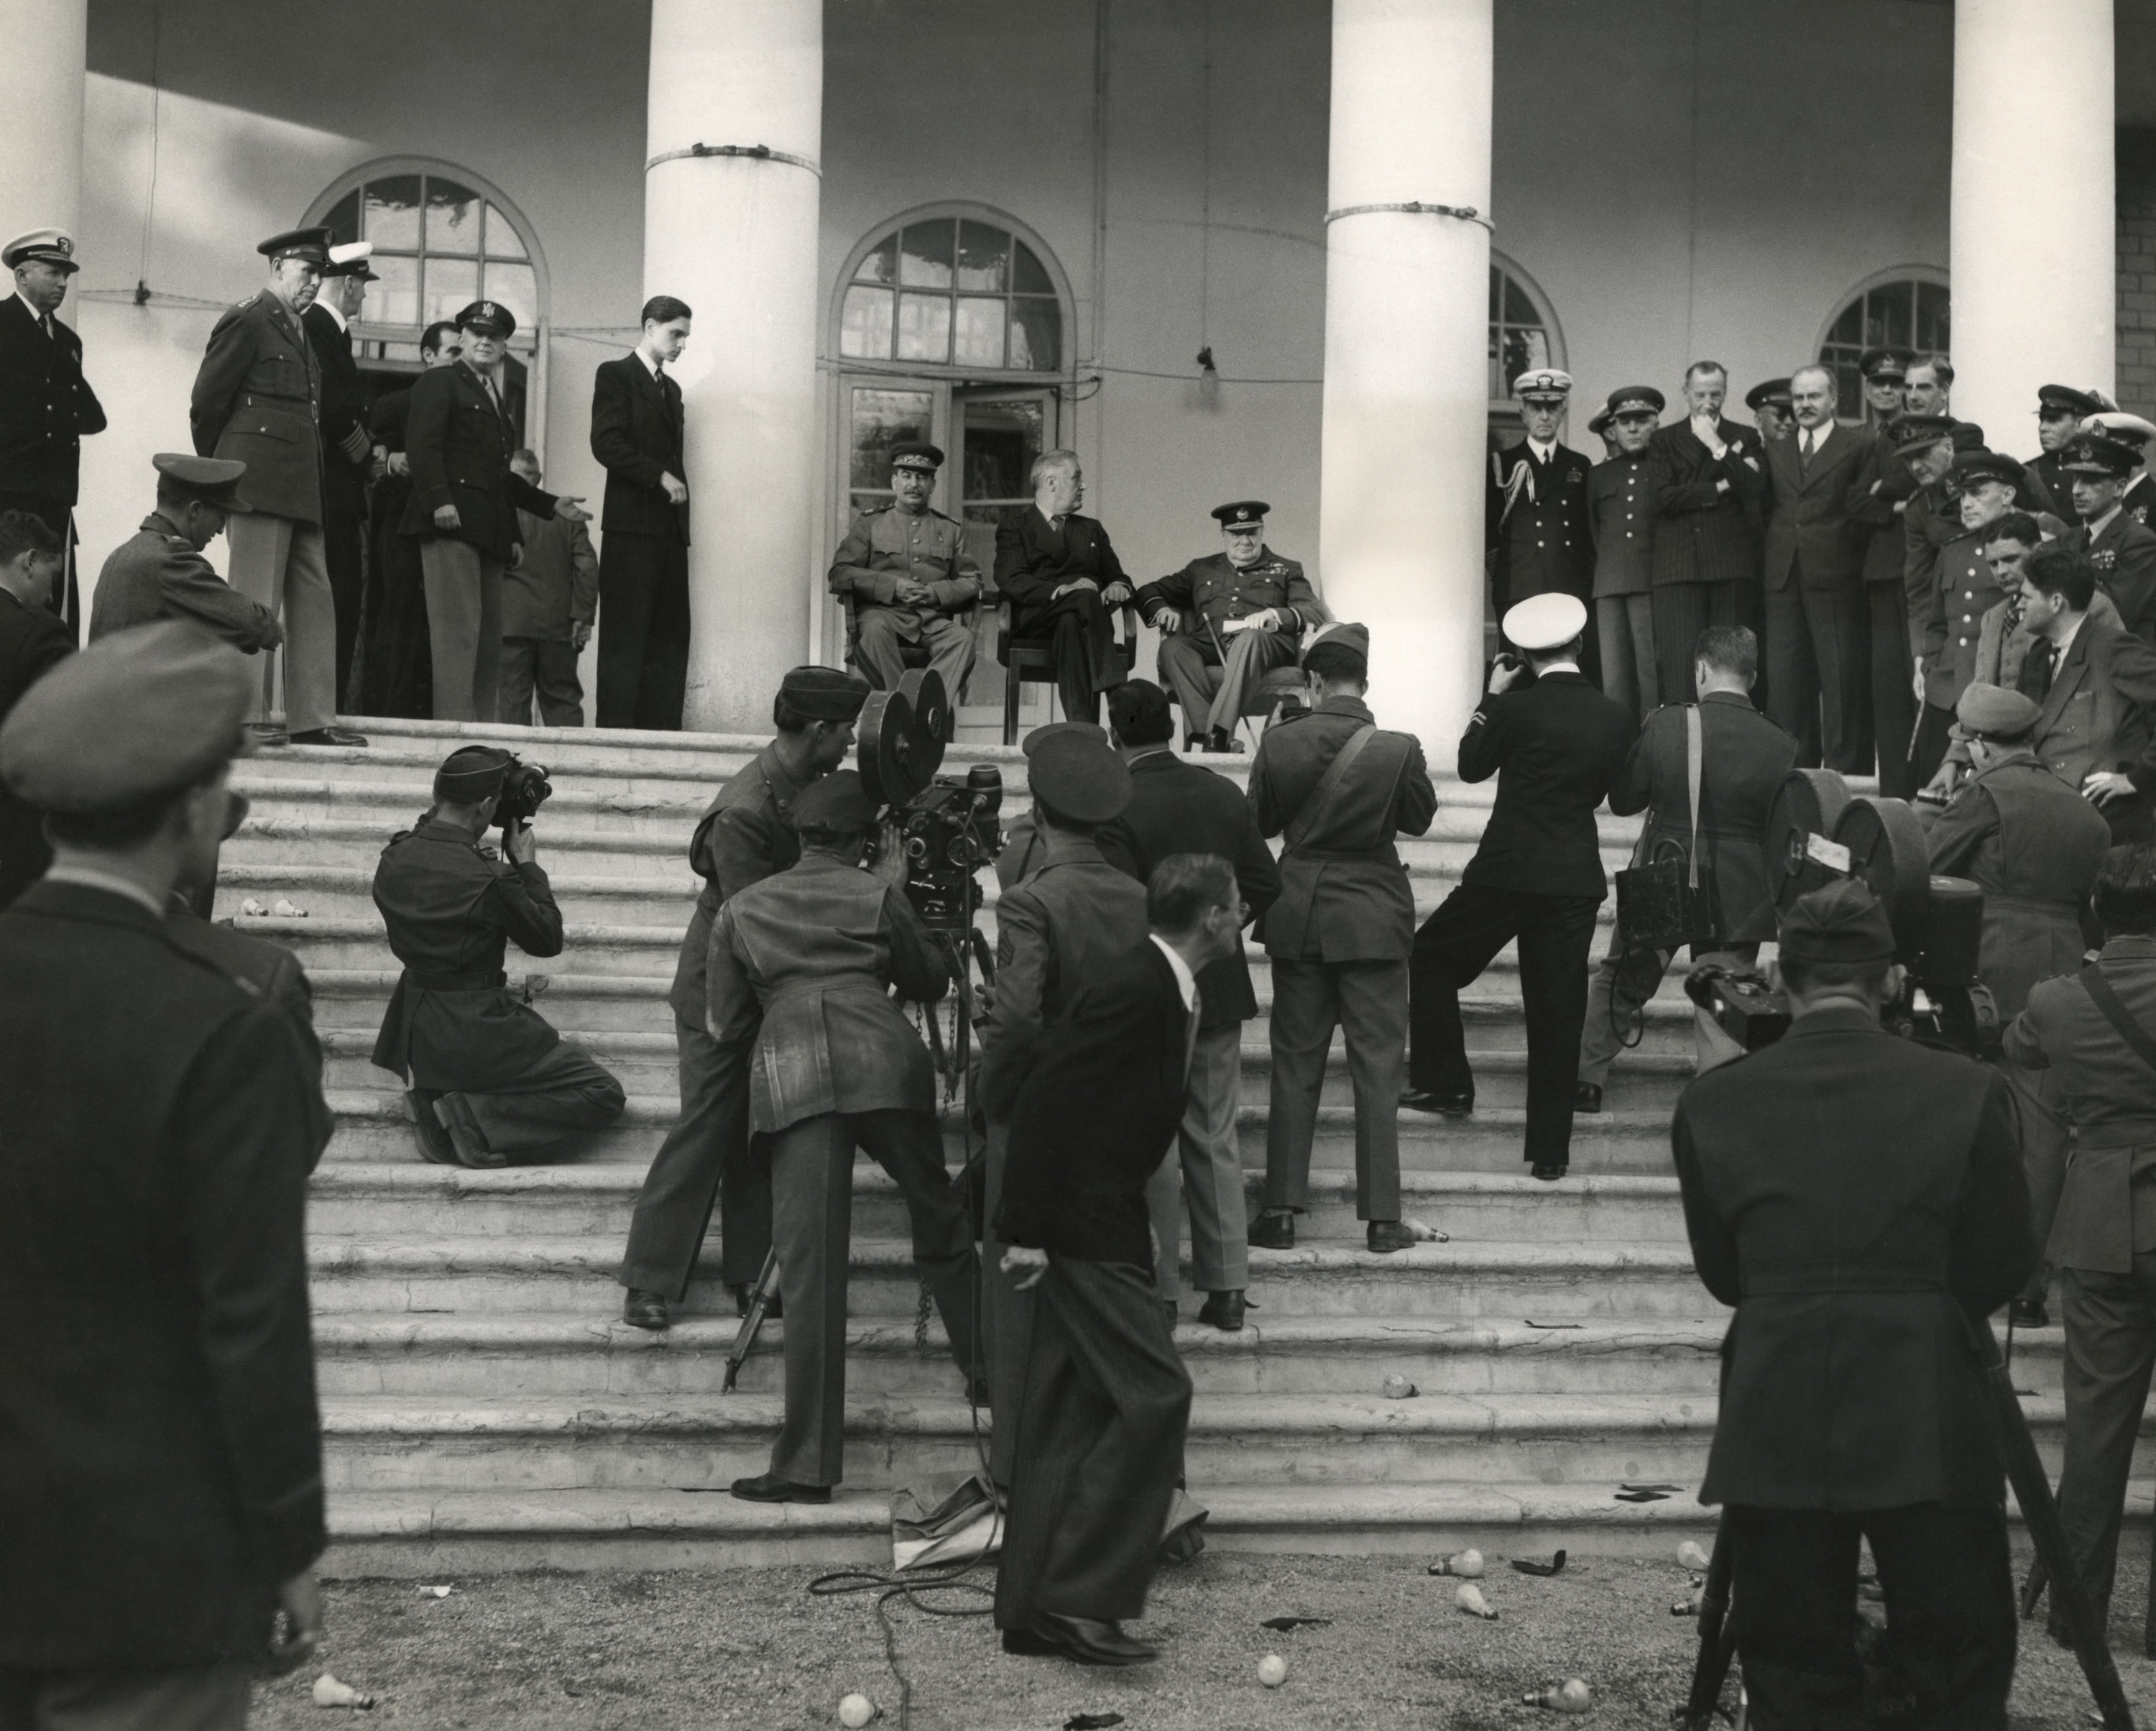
x: 1970, y: 467
x: 1880, y: 364
x: 835, y: 805
x: 1047, y: 731
x: 1912, y: 430
x: 1542, y: 384
x: 1994, y: 712
x: 49, y: 246
x: 312, y: 244
x: 1139, y: 710
x: 1843, y: 923
x: 1775, y: 390
x: 349, y: 260
x: 2065, y: 399
x: 2096, y: 453
x: 2129, y: 429
x: 1079, y: 779
x: 488, y: 317
x: 1241, y: 514
x: 137, y: 715
x: 824, y: 694
x: 471, y: 773
x: 211, y: 479
x: 1634, y: 399
x: 1543, y: 622
x: 916, y: 454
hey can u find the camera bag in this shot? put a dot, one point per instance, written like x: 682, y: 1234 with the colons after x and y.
x: 1670, y: 899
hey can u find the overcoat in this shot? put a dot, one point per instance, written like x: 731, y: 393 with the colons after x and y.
x: 1966, y: 589
x: 46, y: 406
x: 258, y: 399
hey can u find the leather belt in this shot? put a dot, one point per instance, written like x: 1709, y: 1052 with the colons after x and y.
x: 457, y: 981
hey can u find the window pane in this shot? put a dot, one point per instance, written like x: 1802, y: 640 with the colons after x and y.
x: 924, y: 326
x: 1512, y: 351
x: 453, y: 217
x: 979, y: 332
x: 925, y: 260
x: 881, y: 419
x: 1036, y: 335
x: 393, y: 213
x: 516, y: 287
x: 1519, y: 309
x: 394, y: 299
x: 1002, y: 440
x: 1888, y: 312
x: 343, y: 218
x: 1029, y: 275
x: 881, y: 264
x: 865, y: 328
x: 984, y: 258
x: 452, y: 285
x: 1933, y: 325
x: 501, y: 241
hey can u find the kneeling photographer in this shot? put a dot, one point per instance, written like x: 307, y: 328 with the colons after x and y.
x: 490, y: 1079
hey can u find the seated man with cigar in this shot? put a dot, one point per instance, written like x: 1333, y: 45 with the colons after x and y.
x: 802, y: 968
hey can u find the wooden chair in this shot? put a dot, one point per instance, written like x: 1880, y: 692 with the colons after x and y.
x: 910, y: 655
x: 1033, y: 659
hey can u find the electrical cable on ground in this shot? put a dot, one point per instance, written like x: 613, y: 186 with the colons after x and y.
x: 887, y: 1587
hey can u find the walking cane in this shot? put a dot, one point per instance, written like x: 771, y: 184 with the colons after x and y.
x: 759, y: 1302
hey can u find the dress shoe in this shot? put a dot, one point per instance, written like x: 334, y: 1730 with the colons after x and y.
x: 746, y: 1293
x: 1451, y: 1106
x: 1221, y: 742
x: 435, y: 1148
x: 2029, y: 1313
x: 455, y: 1112
x: 1587, y: 1097
x: 266, y: 735
x: 1026, y: 1642
x: 1273, y: 1230
x: 1550, y: 1171
x: 1384, y: 1237
x: 769, y: 1487
x: 1089, y: 1640
x: 641, y: 1309
x: 329, y: 736
x: 1223, y: 1311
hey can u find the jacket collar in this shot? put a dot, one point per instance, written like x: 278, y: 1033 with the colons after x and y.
x: 1837, y: 1018
x: 1068, y: 850
x: 1154, y: 761
x: 1354, y: 706
x: 2130, y: 948
x: 1732, y: 699
x: 785, y: 786
x: 88, y: 904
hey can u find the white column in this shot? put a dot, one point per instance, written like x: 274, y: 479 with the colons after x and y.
x: 1407, y: 319
x: 41, y: 114
x: 735, y: 236
x: 2032, y: 136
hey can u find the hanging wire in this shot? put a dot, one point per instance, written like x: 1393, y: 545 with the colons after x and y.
x: 142, y: 294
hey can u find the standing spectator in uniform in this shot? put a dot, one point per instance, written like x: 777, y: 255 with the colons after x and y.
x: 550, y: 595
x: 1772, y: 409
x: 1621, y: 520
x: 2122, y: 550
x: 1535, y: 524
x: 906, y: 569
x: 1556, y: 746
x: 1882, y: 498
x: 463, y: 511
x: 1710, y: 485
x: 638, y: 432
x: 1885, y: 373
x: 395, y: 654
x: 1927, y: 446
x: 160, y: 573
x: 1062, y: 578
x: 1818, y: 648
x: 1339, y: 788
x: 1968, y: 587
x: 46, y: 404
x: 2061, y: 409
x: 160, y: 1468
x: 347, y: 447
x: 32, y: 642
x: 2132, y: 431
x: 1180, y: 808
x: 258, y: 400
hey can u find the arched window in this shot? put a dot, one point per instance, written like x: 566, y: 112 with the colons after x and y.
x: 948, y: 288
x: 1907, y: 306
x: 1524, y: 332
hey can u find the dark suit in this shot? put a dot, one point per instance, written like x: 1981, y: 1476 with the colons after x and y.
x: 396, y: 653
x: 346, y: 451
x: 32, y: 642
x: 1106, y: 1400
x: 1879, y: 498
x: 1818, y: 637
x: 2124, y: 555
x: 1556, y: 747
x: 1178, y: 808
x: 160, y: 1449
x: 2095, y: 710
x: 1706, y: 569
x: 46, y: 407
x: 1034, y: 558
x: 1858, y: 1198
x: 638, y: 432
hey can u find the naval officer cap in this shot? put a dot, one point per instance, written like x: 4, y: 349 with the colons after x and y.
x: 1138, y: 708
x: 2129, y: 429
x: 312, y: 244
x: 471, y: 773
x: 1544, y: 622
x: 2098, y: 454
x: 1843, y: 923
x: 1775, y: 390
x: 138, y: 716
x: 1913, y: 431
x: 916, y: 454
x: 1972, y: 467
x: 2055, y: 400
x: 1047, y: 731
x: 1079, y: 779
x: 41, y: 246
x: 1542, y: 384
x: 1885, y: 366
x: 489, y: 318
x: 351, y: 260
x: 1634, y: 400
x: 1340, y: 651
x: 209, y: 480
x: 823, y: 694
x: 1241, y: 514
x: 835, y: 805
x: 1985, y: 711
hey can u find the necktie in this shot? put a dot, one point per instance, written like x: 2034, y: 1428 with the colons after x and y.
x: 2036, y: 672
x: 1190, y: 1036
x: 1805, y: 450
x: 45, y: 324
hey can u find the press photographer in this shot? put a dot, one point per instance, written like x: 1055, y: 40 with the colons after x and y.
x: 489, y: 1078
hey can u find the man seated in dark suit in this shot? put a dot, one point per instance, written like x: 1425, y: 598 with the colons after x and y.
x: 638, y: 433
x: 1106, y: 1403
x: 1063, y: 578
x: 1556, y: 747
x: 32, y: 642
x: 1858, y: 1198
x: 1180, y: 808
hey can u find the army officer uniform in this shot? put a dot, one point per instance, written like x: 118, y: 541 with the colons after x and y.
x: 158, y: 573
x: 887, y: 545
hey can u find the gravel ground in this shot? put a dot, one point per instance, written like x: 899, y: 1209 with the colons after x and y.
x: 750, y: 1648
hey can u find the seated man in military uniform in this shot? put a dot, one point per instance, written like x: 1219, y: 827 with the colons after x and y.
x: 1226, y: 620
x: 160, y: 573
x: 490, y: 1078
x: 910, y: 576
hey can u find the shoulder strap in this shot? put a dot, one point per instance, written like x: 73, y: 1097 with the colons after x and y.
x: 1319, y: 805
x: 1695, y: 750
x: 2116, y: 1014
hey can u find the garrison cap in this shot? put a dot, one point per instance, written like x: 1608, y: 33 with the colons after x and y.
x: 2097, y: 453
x: 1775, y: 390
x: 1994, y: 712
x: 211, y: 479
x: 1079, y: 779
x: 1241, y: 514
x: 1047, y: 731
x: 1880, y: 365
x: 1352, y: 638
x: 916, y: 454
x: 349, y: 260
x: 1139, y: 710
x: 824, y: 694
x: 835, y: 805
x: 1634, y: 400
x: 1543, y: 622
x: 1912, y: 430
x: 2129, y: 429
x: 143, y: 713
x: 1970, y: 467
x: 1542, y: 384
x: 2065, y: 399
x: 471, y: 773
x: 49, y: 246
x: 1843, y: 923
x: 489, y: 316
x: 312, y: 244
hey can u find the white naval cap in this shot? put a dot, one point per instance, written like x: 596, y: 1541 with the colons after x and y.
x: 1545, y: 622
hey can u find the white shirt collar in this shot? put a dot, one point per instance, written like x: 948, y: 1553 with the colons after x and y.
x: 334, y: 314
x: 1817, y: 436
x: 1543, y: 453
x: 37, y: 317
x: 89, y: 877
x: 1559, y: 667
x: 650, y: 366
x: 2060, y: 648
x: 1186, y: 982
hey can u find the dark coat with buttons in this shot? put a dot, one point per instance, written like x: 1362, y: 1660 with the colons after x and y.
x: 1953, y: 636
x: 1621, y: 519
x: 258, y: 399
x: 1705, y: 533
x: 1812, y: 537
x: 1216, y: 591
x: 638, y: 432
x: 159, y: 574
x: 46, y: 406
x: 2124, y: 555
x: 1535, y: 524
x: 32, y: 642
x: 458, y: 445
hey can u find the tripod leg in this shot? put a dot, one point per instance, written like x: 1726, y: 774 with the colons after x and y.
x: 2032, y: 1589
x: 1717, y: 1637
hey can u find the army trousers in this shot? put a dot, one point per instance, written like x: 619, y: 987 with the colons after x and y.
x: 1625, y: 623
x: 1619, y: 990
x: 1368, y: 1001
x: 1204, y: 1170
x: 1893, y: 697
x: 812, y: 1217
x: 884, y: 641
x: 566, y: 1091
x: 463, y: 624
x: 1214, y: 692
x: 283, y: 564
x: 209, y: 1697
x: 2111, y: 1346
